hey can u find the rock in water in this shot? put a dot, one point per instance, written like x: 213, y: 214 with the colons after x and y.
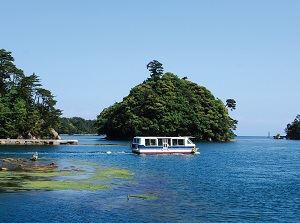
x: 35, y: 156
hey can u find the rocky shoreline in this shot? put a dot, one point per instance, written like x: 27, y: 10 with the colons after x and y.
x: 38, y: 142
x: 21, y: 164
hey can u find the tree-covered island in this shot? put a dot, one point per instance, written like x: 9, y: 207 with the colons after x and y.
x: 167, y: 105
x: 27, y: 110
x: 293, y: 129
x: 163, y: 105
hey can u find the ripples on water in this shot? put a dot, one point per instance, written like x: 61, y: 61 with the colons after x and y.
x: 252, y: 179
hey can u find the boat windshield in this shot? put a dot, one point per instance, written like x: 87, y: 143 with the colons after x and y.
x: 190, y: 141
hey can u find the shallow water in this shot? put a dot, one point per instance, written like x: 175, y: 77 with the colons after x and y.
x: 253, y: 179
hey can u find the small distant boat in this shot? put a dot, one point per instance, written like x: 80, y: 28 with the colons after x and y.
x: 163, y: 145
x: 278, y: 136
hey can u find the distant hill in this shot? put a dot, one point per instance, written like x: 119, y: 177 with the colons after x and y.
x: 76, y: 125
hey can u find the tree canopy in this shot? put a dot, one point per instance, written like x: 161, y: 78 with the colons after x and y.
x: 168, y: 106
x: 76, y: 125
x: 231, y: 103
x: 293, y: 129
x: 156, y: 69
x: 26, y: 109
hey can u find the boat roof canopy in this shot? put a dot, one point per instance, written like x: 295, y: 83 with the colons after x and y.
x: 163, y: 137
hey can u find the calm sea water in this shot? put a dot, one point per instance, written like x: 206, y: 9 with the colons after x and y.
x: 253, y: 179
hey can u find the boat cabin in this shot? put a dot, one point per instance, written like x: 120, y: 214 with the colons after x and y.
x: 152, y: 144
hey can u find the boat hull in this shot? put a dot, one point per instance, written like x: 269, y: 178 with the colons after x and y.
x: 164, y: 151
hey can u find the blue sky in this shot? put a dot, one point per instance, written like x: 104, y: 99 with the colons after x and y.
x: 89, y: 54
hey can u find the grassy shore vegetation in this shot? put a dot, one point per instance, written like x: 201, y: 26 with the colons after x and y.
x: 27, y: 109
x: 167, y: 105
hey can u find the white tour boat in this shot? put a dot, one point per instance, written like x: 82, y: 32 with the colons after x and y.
x: 163, y: 145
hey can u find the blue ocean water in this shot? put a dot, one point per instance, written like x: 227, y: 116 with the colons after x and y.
x: 252, y: 179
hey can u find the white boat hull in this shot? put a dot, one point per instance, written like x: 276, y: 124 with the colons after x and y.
x: 164, y: 151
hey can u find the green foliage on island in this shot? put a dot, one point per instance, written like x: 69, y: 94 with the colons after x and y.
x: 293, y: 129
x: 166, y: 105
x: 26, y: 109
x: 76, y: 125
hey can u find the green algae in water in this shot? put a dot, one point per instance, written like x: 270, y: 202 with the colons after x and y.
x: 64, y: 185
x: 16, y: 180
x: 70, y: 178
x: 144, y: 196
x: 19, y: 175
x: 60, y: 180
x: 48, y: 174
x: 112, y: 173
x: 109, y: 208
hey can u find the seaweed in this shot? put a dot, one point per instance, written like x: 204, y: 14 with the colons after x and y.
x: 37, y: 176
x: 144, y: 196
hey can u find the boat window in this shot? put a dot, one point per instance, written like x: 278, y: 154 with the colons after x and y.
x: 147, y: 142
x: 174, y: 142
x: 150, y: 142
x: 160, y: 142
x: 180, y: 142
x: 136, y: 140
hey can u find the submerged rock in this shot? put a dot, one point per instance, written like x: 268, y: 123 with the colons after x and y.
x: 21, y: 164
